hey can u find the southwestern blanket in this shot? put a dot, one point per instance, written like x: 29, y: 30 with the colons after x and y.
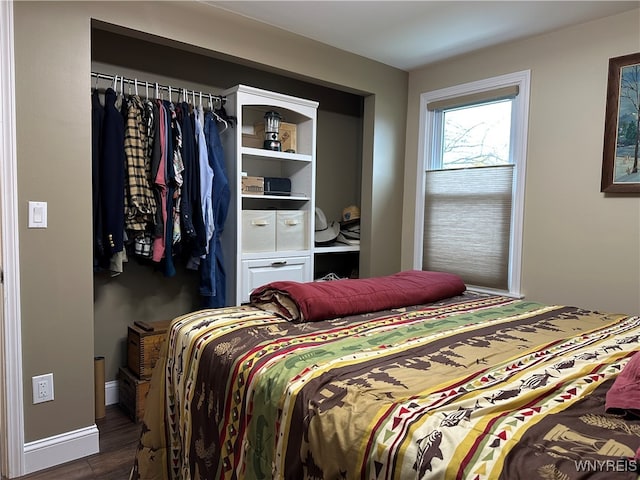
x: 470, y: 387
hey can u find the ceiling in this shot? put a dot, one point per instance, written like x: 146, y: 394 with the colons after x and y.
x: 411, y: 34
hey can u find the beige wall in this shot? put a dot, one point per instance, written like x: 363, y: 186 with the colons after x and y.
x: 53, y: 64
x: 581, y: 247
x: 54, y: 165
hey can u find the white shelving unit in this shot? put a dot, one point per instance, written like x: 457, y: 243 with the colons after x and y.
x: 254, y: 259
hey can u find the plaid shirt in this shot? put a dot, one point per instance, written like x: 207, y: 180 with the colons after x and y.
x: 140, y: 204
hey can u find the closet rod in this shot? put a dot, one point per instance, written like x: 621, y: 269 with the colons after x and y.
x: 157, y: 86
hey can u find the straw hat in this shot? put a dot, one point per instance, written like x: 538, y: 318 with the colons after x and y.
x: 350, y: 215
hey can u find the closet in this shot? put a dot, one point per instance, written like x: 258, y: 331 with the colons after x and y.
x: 141, y: 293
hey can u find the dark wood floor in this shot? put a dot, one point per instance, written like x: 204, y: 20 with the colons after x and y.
x: 118, y: 441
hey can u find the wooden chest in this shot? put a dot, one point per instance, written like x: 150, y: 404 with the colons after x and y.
x: 144, y: 341
x: 132, y: 393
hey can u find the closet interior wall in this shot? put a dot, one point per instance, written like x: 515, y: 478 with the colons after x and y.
x: 141, y: 292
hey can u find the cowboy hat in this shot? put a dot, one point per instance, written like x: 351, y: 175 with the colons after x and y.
x: 325, y: 232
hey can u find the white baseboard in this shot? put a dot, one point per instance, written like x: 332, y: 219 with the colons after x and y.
x: 111, y: 396
x: 62, y: 448
x: 69, y: 446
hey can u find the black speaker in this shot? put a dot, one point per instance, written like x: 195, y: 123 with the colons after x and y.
x: 277, y: 186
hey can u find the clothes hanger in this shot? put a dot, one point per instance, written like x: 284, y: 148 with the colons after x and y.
x: 222, y: 112
x: 226, y: 124
x: 223, y: 120
x: 215, y: 114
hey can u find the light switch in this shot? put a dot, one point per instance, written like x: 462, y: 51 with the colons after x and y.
x: 37, y: 214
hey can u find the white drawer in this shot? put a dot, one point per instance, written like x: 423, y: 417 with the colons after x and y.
x: 291, y: 230
x: 256, y: 273
x: 258, y: 231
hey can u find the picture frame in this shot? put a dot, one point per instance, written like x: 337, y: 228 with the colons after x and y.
x: 621, y: 150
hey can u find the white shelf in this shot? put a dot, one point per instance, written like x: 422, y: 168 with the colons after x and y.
x: 261, y: 153
x: 278, y: 197
x: 337, y: 249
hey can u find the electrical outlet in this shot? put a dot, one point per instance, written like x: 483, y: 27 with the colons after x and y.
x: 42, y: 388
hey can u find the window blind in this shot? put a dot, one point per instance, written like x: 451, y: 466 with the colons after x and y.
x: 467, y: 224
x: 473, y: 98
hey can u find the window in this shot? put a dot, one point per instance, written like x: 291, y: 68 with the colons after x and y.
x: 471, y: 181
x: 474, y: 136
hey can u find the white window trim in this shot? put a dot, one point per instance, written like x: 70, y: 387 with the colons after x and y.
x: 11, y: 394
x: 519, y: 148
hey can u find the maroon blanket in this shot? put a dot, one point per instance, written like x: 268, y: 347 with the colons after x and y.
x: 623, y: 398
x: 313, y: 301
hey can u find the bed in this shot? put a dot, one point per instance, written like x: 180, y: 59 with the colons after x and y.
x: 407, y: 376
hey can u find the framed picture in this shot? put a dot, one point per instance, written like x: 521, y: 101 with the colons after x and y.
x: 620, y: 162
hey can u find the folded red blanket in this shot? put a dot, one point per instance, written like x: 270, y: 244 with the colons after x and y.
x: 623, y: 398
x: 313, y: 301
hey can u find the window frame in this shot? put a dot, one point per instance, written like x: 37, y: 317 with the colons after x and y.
x: 428, y: 141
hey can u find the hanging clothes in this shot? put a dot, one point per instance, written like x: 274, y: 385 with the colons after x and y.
x: 160, y: 184
x: 154, y: 167
x: 170, y: 177
x: 112, y: 178
x: 191, y: 210
x: 206, y: 178
x: 97, y: 118
x: 143, y: 241
x: 160, y: 191
x: 178, y: 171
x: 212, y: 268
x: 140, y: 203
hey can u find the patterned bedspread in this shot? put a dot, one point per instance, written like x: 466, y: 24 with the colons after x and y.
x: 471, y: 387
